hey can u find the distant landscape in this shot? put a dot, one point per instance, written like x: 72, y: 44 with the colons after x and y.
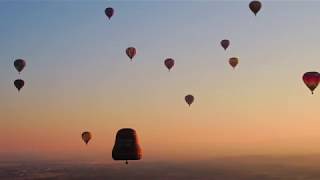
x: 227, y: 168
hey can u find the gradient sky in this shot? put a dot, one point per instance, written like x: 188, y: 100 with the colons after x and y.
x: 79, y: 78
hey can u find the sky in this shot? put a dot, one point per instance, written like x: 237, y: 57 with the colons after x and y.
x: 79, y: 78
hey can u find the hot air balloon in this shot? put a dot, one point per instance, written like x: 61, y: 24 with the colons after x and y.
x: 131, y: 52
x: 109, y: 12
x: 86, y: 136
x: 255, y: 6
x: 225, y: 44
x: 311, y: 79
x: 169, y: 63
x: 19, y: 83
x: 126, y: 146
x: 189, y: 99
x: 233, y: 62
x: 19, y: 64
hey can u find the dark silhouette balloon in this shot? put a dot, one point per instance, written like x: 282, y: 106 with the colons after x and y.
x: 19, y: 83
x: 311, y: 79
x: 189, y: 99
x: 86, y: 136
x: 225, y: 44
x: 19, y: 64
x: 233, y: 62
x: 255, y: 6
x: 109, y: 12
x: 169, y: 63
x: 126, y: 146
x: 131, y: 52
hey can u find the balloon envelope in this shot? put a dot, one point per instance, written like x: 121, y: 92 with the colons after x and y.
x: 225, y: 44
x: 233, y: 62
x: 19, y: 83
x: 86, y: 136
x: 169, y: 63
x: 126, y: 146
x: 311, y: 80
x: 109, y: 12
x: 255, y: 6
x: 189, y: 99
x: 131, y: 52
x: 19, y: 64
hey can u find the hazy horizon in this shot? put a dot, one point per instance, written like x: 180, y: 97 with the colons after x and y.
x: 240, y: 168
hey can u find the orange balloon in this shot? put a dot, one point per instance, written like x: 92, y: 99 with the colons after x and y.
x: 86, y: 136
x: 233, y: 62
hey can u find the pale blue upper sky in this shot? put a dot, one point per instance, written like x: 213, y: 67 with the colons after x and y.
x: 72, y: 40
x: 63, y: 38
